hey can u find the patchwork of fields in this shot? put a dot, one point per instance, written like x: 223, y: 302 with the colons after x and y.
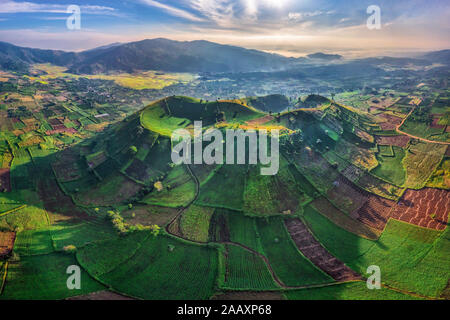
x: 350, y: 193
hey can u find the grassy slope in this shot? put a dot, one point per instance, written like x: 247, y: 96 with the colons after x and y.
x: 246, y: 271
x: 400, y: 252
x: 287, y: 262
x: 155, y: 272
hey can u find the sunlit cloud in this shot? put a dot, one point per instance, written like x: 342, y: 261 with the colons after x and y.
x: 173, y: 10
x: 30, y: 7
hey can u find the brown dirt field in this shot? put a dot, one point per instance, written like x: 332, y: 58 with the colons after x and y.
x: 391, y: 122
x: 59, y: 206
x: 375, y: 212
x: 5, y: 181
x: 418, y: 206
x: 6, y: 243
x: 327, y: 209
x: 313, y: 250
x: 346, y: 195
x: 149, y: 215
x: 248, y: 295
x: 447, y: 153
x: 66, y: 130
x: 435, y: 124
x: 399, y: 141
x: 101, y: 295
x: 66, y: 172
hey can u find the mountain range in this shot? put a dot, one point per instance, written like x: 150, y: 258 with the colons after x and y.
x: 178, y: 56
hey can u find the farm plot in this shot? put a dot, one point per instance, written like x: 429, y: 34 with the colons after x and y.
x: 5, y: 182
x: 56, y: 203
x: 176, y: 190
x: 112, y: 190
x: 245, y: 270
x: 401, y: 247
x: 390, y: 168
x: 148, y: 215
x: 391, y: 122
x: 379, y: 187
x: 194, y: 223
x: 102, y: 257
x: 314, y: 167
x: 398, y: 141
x: 375, y: 212
x: 272, y: 195
x: 347, y: 196
x: 428, y: 208
x: 44, y: 277
x: 441, y: 177
x: 25, y: 218
x: 317, y: 254
x: 6, y: 243
x: 326, y: 208
x: 79, y: 234
x: 420, y: 162
x: 33, y: 242
x: 359, y: 156
x: 243, y: 230
x: 177, y: 271
x: 291, y: 267
x: 225, y: 189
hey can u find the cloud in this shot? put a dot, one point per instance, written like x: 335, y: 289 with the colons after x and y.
x: 219, y: 11
x: 30, y: 7
x: 173, y: 11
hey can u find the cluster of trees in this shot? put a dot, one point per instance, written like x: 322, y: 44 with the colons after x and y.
x: 124, y: 228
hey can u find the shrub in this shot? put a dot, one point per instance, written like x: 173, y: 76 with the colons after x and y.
x: 70, y: 248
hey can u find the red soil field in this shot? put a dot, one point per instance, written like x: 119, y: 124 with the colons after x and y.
x: 391, y: 122
x: 6, y: 243
x: 313, y: 250
x: 375, y: 212
x: 5, y: 182
x: 427, y: 208
x: 67, y: 130
x: 435, y: 124
x: 399, y: 141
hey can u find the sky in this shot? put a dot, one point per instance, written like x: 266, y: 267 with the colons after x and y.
x: 288, y: 27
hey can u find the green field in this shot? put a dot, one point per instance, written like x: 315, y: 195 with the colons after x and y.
x: 411, y: 258
x: 194, y: 223
x: 225, y: 189
x: 390, y: 168
x: 44, y: 277
x: 246, y: 271
x: 289, y: 264
x: 177, y: 271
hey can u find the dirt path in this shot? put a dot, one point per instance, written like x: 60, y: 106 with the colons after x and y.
x: 317, y: 254
x: 415, y: 137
